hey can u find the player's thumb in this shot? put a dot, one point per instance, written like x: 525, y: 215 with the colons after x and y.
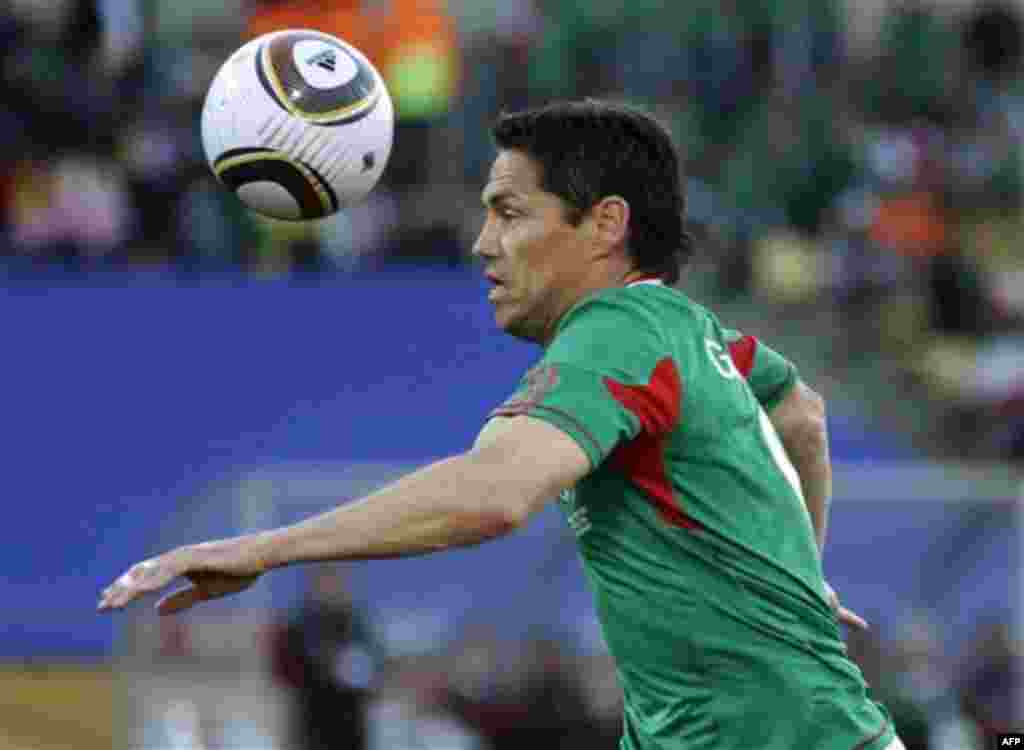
x: 180, y: 600
x: 852, y: 619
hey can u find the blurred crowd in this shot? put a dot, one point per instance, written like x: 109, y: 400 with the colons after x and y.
x: 876, y: 173
x: 347, y: 689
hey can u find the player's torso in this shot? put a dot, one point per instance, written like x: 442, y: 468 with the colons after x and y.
x: 721, y: 476
x: 692, y: 530
x: 701, y: 525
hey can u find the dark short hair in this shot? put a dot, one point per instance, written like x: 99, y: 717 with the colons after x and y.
x: 590, y: 149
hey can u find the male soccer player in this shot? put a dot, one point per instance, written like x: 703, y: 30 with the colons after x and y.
x: 690, y: 461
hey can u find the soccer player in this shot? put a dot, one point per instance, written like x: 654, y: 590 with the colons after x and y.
x: 690, y: 461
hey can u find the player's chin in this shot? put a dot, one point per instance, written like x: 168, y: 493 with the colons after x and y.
x: 517, y: 327
x: 506, y: 318
x: 503, y: 317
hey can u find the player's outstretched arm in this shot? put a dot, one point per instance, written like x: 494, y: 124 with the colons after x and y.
x: 464, y: 500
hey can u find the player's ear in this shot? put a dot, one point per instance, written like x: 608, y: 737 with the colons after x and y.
x: 610, y: 218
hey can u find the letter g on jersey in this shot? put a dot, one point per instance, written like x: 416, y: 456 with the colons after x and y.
x: 721, y: 359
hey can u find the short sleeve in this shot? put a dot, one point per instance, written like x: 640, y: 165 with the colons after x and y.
x: 605, y: 378
x: 769, y: 374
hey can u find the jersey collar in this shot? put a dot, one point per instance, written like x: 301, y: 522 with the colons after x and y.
x: 646, y: 280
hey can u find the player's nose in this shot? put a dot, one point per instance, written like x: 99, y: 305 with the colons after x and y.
x: 486, y: 245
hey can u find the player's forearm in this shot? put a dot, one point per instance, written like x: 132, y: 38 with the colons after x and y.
x: 801, y: 424
x: 808, y: 450
x: 460, y: 501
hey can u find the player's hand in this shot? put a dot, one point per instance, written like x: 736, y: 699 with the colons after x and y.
x: 846, y: 616
x: 213, y: 569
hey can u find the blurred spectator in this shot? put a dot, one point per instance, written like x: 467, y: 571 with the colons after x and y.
x: 74, y: 210
x: 599, y: 681
x: 911, y: 218
x: 957, y: 295
x: 411, y: 712
x: 324, y: 654
x: 217, y: 233
x: 991, y: 38
x: 562, y: 59
x: 922, y: 673
x: 784, y: 174
x: 724, y: 77
x: 498, y: 40
x: 553, y: 711
x: 990, y: 682
x: 478, y: 689
x: 809, y: 48
x: 123, y: 35
x: 937, y: 704
x: 913, y: 70
x: 867, y: 650
x: 861, y: 272
x: 884, y: 679
x: 52, y: 77
x: 157, y: 162
x: 530, y: 694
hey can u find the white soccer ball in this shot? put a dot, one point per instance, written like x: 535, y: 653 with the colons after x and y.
x: 298, y: 124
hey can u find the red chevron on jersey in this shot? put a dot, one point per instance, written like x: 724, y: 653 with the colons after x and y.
x: 742, y: 352
x: 657, y: 405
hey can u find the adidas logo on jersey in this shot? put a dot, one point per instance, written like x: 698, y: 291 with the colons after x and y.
x: 576, y: 514
x: 326, y: 60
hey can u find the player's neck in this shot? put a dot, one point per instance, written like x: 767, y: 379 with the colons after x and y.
x: 595, y: 284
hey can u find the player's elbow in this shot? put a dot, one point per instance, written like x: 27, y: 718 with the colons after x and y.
x: 494, y: 518
x: 506, y: 495
x: 815, y: 411
x: 483, y: 525
x: 514, y: 511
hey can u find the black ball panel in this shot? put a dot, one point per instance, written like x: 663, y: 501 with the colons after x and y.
x: 286, y: 78
x: 308, y: 187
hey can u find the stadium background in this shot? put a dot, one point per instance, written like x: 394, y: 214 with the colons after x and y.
x: 176, y: 368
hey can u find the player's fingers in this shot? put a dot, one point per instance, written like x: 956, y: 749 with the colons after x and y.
x: 852, y: 619
x: 181, y: 599
x: 120, y: 593
x: 144, y: 577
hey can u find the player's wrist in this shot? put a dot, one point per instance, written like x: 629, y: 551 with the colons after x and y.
x: 266, y: 551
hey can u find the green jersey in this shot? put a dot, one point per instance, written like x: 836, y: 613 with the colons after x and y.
x: 692, y: 528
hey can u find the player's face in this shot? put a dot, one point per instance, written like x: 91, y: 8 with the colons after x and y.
x: 534, y: 258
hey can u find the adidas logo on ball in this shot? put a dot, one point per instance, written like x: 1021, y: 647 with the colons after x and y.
x: 326, y: 60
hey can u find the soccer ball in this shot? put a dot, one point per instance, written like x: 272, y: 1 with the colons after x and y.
x: 298, y: 124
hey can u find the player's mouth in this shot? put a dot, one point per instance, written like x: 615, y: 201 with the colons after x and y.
x: 498, y: 286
